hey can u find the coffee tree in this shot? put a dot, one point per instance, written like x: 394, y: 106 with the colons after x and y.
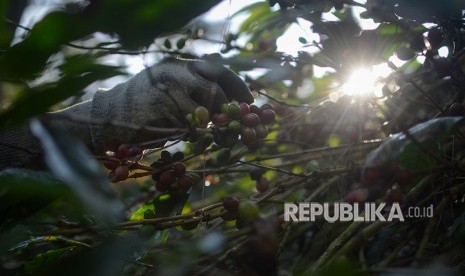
x: 212, y: 199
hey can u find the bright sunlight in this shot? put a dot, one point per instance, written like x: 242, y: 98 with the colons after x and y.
x: 366, y: 82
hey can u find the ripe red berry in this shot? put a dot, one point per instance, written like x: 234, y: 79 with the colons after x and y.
x: 221, y: 119
x: 134, y: 151
x: 256, y: 173
x: 231, y: 204
x: 119, y: 174
x: 262, y: 185
x: 167, y: 178
x: 248, y: 135
x: 111, y: 164
x: 245, y: 109
x: 267, y: 117
x: 162, y: 187
x: 229, y: 216
x: 255, y: 109
x: 266, y: 106
x: 185, y: 182
x: 261, y: 131
x: 122, y: 152
x: 251, y: 120
x: 179, y: 169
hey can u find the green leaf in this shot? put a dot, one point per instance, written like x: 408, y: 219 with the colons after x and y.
x: 70, y: 161
x: 37, y: 100
x: 400, y: 146
x: 24, y: 192
x: 169, y: 204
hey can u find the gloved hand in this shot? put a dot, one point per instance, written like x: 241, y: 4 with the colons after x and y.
x: 159, y: 96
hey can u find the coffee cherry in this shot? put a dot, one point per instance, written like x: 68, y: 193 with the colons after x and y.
x: 234, y: 111
x: 256, y: 173
x: 251, y: 120
x: 266, y: 106
x: 221, y: 119
x: 111, y: 164
x: 122, y: 152
x: 262, y: 185
x: 224, y: 108
x: 207, y: 139
x: 179, y: 169
x: 245, y: 109
x: 229, y: 216
x: 267, y: 117
x: 254, y: 146
x: 165, y: 157
x: 456, y: 110
x: 255, y: 109
x: 185, y: 182
x: 202, y: 114
x: 120, y: 173
x: 134, y: 151
x: 234, y: 126
x: 162, y: 187
x: 177, y: 156
x: 231, y: 204
x: 167, y: 178
x: 248, y: 135
x: 261, y: 131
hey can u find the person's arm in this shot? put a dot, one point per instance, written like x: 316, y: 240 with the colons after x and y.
x: 159, y: 96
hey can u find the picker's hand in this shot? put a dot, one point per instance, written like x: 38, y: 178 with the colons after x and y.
x: 161, y: 96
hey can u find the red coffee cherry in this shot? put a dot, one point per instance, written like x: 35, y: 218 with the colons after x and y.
x: 167, y: 178
x: 248, y: 135
x: 179, y: 169
x: 251, y: 120
x: 267, y: 117
x: 185, y: 182
x: 231, y: 204
x: 122, y: 152
x: 111, y: 164
x: 245, y: 109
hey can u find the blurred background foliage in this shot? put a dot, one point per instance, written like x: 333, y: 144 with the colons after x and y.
x: 330, y: 143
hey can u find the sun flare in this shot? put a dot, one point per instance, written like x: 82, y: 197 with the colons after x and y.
x: 365, y: 82
x: 360, y: 83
